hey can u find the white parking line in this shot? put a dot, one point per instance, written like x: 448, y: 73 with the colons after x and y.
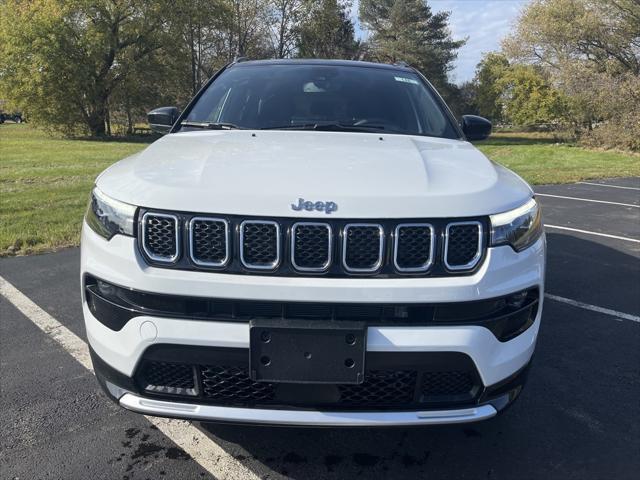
x: 587, y: 200
x: 610, y: 186
x: 587, y: 232
x: 607, y: 311
x: 208, y: 454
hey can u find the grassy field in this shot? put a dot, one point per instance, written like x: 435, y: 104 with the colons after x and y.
x: 538, y: 159
x: 45, y: 181
x: 44, y: 186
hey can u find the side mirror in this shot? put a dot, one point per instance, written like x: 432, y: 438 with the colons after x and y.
x: 475, y: 127
x: 162, y: 119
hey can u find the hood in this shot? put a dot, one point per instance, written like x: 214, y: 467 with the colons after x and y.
x: 265, y: 172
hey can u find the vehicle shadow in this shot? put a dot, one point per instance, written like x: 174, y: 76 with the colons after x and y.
x: 570, y: 422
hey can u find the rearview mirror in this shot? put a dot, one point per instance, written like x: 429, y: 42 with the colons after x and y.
x: 475, y: 127
x: 162, y: 119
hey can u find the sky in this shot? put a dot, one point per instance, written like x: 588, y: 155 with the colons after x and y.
x: 484, y: 22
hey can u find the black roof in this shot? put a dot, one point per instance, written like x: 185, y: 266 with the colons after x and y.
x: 314, y: 61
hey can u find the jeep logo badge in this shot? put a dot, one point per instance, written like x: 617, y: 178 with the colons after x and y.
x: 326, y: 207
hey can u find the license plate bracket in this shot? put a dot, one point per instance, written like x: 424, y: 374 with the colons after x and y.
x: 307, y: 351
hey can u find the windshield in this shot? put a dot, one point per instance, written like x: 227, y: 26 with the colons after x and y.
x: 322, y: 97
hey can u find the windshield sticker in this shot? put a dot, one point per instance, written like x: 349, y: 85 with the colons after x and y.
x: 406, y: 80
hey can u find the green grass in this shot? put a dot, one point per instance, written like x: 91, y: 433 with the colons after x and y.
x: 44, y: 186
x: 538, y: 159
x: 45, y: 180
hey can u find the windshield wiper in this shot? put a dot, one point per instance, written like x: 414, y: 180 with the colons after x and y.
x: 211, y: 125
x: 330, y: 127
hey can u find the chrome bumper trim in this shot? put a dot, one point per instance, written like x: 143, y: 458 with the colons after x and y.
x: 212, y: 413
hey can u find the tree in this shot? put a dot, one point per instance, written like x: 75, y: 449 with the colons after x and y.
x: 327, y: 31
x: 605, y: 33
x: 463, y: 99
x: 489, y: 92
x: 248, y: 29
x: 287, y: 16
x: 197, y: 24
x: 590, y: 51
x: 528, y: 97
x: 64, y: 59
x: 407, y: 30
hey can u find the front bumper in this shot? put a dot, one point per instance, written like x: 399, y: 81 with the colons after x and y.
x: 503, y: 272
x: 303, y: 418
x: 487, y: 403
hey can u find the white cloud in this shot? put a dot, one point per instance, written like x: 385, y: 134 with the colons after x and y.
x: 484, y: 22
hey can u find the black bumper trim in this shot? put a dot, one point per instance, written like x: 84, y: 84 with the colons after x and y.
x: 114, y: 306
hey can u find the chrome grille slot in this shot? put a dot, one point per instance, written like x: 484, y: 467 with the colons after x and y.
x: 413, y: 248
x: 362, y: 247
x: 160, y: 237
x: 463, y: 245
x: 311, y: 246
x: 260, y: 244
x: 209, y: 241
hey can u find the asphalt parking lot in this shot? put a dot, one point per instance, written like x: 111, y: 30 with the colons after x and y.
x: 577, y: 418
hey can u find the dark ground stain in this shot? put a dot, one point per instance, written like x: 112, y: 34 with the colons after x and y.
x: 470, y: 432
x: 365, y: 460
x: 126, y: 444
x: 331, y: 461
x: 293, y: 457
x: 145, y: 450
x: 145, y: 437
x: 175, y: 453
x: 131, y: 432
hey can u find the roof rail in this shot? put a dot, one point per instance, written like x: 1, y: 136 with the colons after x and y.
x: 240, y: 59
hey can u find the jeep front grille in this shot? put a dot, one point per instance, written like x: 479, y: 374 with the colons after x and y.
x: 260, y: 244
x: 311, y: 246
x: 209, y: 241
x: 463, y: 247
x: 296, y: 247
x: 161, y: 240
x: 363, y: 247
x: 414, y: 244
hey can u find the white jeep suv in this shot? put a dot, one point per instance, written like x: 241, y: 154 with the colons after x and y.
x: 313, y: 243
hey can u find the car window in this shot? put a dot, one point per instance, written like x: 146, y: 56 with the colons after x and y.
x: 291, y: 96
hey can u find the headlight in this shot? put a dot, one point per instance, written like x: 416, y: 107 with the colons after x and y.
x: 108, y: 217
x: 519, y: 228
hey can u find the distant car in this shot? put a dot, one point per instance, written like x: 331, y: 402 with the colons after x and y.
x: 12, y: 117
